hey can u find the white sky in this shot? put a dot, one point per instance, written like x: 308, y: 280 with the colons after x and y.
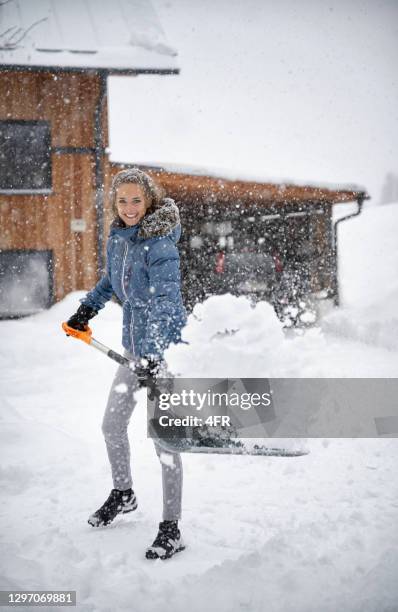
x: 303, y: 90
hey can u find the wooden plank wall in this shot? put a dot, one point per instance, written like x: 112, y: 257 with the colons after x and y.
x: 68, y: 101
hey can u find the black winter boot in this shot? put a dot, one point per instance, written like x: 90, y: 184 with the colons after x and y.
x: 167, y: 542
x: 118, y: 502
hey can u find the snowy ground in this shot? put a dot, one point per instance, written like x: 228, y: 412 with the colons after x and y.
x: 306, y: 534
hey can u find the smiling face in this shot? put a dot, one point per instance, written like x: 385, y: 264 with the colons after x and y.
x: 131, y: 203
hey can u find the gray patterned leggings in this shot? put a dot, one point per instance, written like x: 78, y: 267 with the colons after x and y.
x: 120, y: 406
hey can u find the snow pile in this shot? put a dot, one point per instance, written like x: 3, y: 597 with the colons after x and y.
x: 227, y: 336
x: 369, y: 279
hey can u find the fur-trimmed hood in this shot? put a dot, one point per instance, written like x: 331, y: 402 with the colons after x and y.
x: 160, y: 222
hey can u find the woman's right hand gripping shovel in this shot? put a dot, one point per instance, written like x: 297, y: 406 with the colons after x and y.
x: 147, y: 371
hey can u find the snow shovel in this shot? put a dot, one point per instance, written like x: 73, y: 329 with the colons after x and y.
x: 191, y: 443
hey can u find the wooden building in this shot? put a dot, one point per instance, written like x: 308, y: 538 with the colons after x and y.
x: 55, y: 58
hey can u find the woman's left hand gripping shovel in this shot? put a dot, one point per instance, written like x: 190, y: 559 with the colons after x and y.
x: 87, y: 337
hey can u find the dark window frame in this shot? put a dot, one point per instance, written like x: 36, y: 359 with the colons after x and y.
x: 48, y: 188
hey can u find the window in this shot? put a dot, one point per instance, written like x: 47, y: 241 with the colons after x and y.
x: 26, y: 282
x: 25, y: 156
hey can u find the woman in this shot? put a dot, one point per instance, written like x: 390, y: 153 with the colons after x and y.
x: 143, y: 271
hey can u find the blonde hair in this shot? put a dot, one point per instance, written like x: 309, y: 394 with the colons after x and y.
x: 153, y: 192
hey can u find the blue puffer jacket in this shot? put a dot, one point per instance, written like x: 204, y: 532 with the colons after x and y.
x: 143, y: 270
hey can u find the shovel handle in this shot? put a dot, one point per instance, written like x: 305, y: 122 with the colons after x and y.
x: 87, y: 337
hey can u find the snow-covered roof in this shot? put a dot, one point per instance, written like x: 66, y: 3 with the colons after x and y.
x: 222, y: 184
x: 250, y: 177
x: 118, y: 36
